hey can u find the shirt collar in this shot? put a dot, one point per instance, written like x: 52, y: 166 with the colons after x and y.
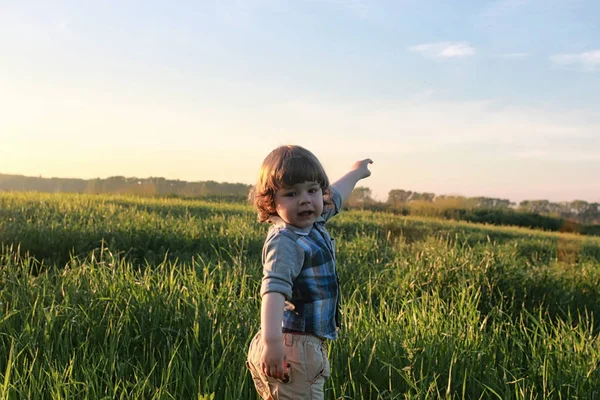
x: 279, y: 223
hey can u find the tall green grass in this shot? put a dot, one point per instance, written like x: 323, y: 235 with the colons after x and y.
x: 114, y: 297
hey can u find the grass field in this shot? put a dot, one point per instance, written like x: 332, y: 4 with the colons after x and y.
x: 106, y: 297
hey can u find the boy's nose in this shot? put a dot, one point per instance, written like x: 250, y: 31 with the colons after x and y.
x: 304, y: 198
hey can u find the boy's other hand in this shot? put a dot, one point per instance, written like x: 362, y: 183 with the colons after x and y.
x: 362, y: 168
x: 273, y: 360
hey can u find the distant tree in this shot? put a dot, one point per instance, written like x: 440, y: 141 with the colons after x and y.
x: 397, y: 197
x: 360, y: 197
x: 579, y: 207
x: 535, y: 206
x: 490, y: 202
x: 94, y: 186
x: 447, y: 201
x: 428, y: 196
x: 591, y: 214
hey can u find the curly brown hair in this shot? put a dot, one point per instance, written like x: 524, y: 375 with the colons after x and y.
x: 284, y: 167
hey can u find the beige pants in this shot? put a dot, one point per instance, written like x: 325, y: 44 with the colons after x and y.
x: 308, y: 368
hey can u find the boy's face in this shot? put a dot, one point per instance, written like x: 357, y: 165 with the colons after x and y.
x: 300, y: 205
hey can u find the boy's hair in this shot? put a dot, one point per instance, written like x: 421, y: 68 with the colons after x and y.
x: 284, y: 167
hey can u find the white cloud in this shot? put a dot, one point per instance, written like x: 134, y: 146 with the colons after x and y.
x: 442, y: 50
x: 589, y: 60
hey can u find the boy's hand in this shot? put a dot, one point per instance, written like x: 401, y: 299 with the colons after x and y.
x: 362, y: 168
x: 346, y: 183
x: 273, y: 360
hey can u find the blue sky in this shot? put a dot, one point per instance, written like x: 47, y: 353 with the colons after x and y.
x: 497, y: 98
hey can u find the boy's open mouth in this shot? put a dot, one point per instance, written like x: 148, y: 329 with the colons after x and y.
x: 305, y: 213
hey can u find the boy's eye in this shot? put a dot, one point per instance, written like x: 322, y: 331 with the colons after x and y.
x: 290, y: 194
x: 313, y: 190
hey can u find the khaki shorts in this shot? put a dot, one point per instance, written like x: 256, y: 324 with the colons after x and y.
x: 308, y: 368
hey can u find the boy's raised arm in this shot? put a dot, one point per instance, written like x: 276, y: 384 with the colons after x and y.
x: 346, y: 183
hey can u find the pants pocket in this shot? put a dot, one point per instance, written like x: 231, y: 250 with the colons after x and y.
x: 260, y: 383
x: 317, y: 364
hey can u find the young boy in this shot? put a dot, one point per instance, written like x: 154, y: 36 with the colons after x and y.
x: 300, y: 293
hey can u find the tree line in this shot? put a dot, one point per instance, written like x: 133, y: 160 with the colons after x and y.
x: 122, y: 185
x: 570, y: 216
x: 534, y: 213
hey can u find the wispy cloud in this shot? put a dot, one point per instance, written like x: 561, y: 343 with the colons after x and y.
x: 512, y: 56
x: 530, y: 154
x: 589, y: 60
x: 426, y: 94
x: 63, y: 25
x: 246, y: 13
x: 422, y: 123
x: 442, y: 50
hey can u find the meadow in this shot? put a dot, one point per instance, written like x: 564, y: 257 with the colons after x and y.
x: 113, y: 297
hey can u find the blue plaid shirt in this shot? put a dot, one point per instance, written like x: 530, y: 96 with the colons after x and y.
x: 300, y: 264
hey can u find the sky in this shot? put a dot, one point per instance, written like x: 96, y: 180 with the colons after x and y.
x: 477, y: 98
